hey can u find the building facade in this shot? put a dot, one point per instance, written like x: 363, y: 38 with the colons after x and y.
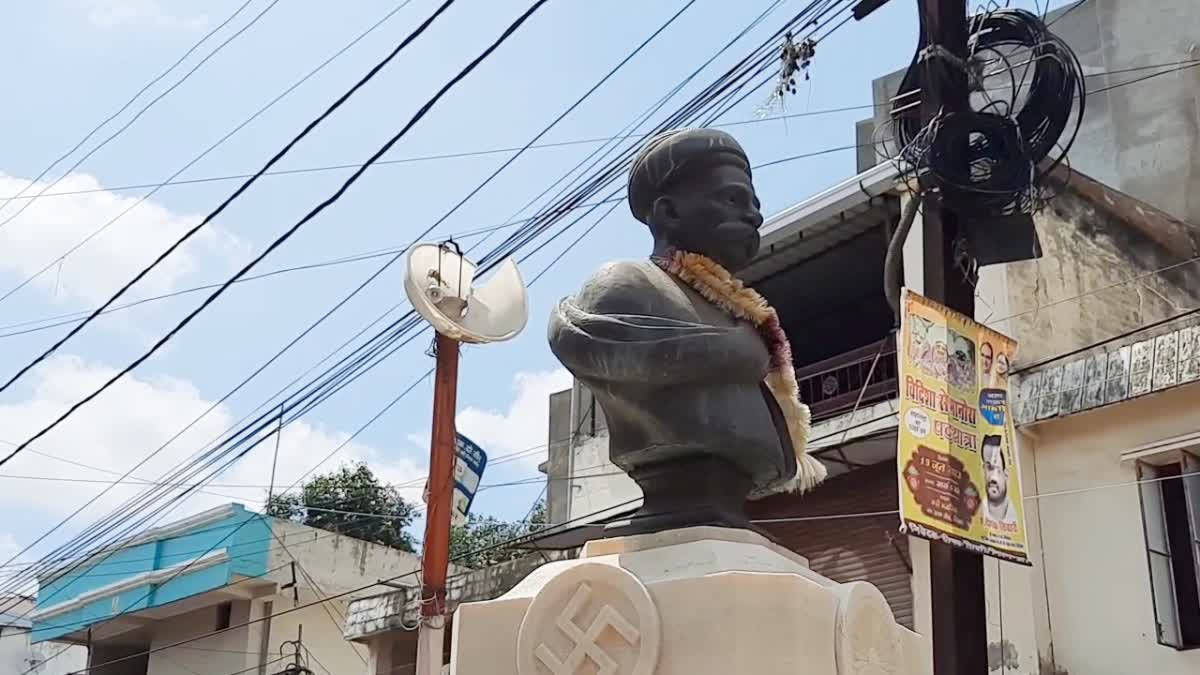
x: 223, y: 591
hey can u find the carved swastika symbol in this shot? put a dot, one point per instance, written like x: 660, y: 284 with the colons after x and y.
x: 607, y: 616
x: 585, y: 640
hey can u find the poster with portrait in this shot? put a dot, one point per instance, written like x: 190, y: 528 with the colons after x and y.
x: 959, y: 480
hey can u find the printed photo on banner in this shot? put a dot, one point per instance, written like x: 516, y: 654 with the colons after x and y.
x: 958, y: 475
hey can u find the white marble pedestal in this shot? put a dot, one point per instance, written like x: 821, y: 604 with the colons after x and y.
x: 693, y: 601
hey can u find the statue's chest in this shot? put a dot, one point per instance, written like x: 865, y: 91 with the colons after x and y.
x: 694, y: 307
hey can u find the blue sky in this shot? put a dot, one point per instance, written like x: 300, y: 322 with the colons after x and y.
x: 80, y: 60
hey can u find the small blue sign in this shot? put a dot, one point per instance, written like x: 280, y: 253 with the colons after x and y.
x: 470, y: 461
x: 992, y: 404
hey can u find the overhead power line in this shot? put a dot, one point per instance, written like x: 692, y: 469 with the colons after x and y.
x: 345, y: 166
x: 414, y: 322
x: 123, y: 108
x: 137, y: 116
x: 1066, y: 13
x: 548, y: 216
x: 339, y: 379
x: 279, y: 240
x: 335, y: 596
x: 246, y: 185
x: 75, y: 317
x: 194, y: 160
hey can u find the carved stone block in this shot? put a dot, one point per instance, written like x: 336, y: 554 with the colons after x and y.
x: 692, y: 601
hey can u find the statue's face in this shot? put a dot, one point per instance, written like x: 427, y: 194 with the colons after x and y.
x: 715, y: 213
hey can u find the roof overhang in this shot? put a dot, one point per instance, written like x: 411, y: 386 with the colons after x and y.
x: 182, y: 526
x: 824, y: 220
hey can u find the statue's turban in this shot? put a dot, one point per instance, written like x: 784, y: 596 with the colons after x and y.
x: 666, y: 155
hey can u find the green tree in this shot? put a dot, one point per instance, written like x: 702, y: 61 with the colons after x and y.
x: 483, y: 540
x: 350, y: 501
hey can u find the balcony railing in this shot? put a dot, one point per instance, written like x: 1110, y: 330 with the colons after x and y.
x: 832, y: 386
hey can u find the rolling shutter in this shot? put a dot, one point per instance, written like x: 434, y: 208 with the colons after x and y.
x: 864, y: 548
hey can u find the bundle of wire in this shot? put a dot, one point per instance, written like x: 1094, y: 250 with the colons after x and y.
x: 990, y: 160
x: 603, y: 169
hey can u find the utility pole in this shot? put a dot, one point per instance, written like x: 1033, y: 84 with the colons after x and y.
x: 435, y: 552
x: 439, y: 283
x: 956, y: 576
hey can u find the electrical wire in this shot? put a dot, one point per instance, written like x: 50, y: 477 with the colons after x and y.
x: 20, y: 195
x: 248, y: 183
x: 1070, y: 9
x: 74, y: 317
x: 537, y: 146
x: 137, y: 116
x: 300, y: 607
x: 133, y: 608
x: 587, y: 518
x: 593, y: 226
x: 277, y: 355
x: 355, y: 176
x: 1115, y: 338
x: 194, y: 160
x: 279, y: 240
x: 991, y: 161
x: 543, y: 212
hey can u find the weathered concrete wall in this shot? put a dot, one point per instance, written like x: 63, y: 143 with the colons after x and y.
x: 583, y: 482
x: 1079, y: 293
x: 337, y: 563
x: 1143, y: 138
x: 865, y: 155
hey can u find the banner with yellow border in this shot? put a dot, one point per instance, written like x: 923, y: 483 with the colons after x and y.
x: 959, y: 479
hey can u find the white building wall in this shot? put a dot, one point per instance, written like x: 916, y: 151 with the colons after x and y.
x: 1097, y: 589
x: 319, y: 627
x: 327, y: 565
x: 596, y: 485
x: 226, y: 652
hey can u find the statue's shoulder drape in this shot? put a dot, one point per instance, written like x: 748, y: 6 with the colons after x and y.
x: 675, y: 375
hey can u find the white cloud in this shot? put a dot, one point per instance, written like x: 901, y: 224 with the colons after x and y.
x: 135, y: 417
x: 53, y: 224
x: 140, y: 13
x: 526, y: 423
x: 10, y: 547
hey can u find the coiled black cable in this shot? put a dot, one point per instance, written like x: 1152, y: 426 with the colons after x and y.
x: 990, y: 159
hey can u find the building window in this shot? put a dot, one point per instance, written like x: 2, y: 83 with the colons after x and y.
x: 1170, y: 494
x: 224, y: 614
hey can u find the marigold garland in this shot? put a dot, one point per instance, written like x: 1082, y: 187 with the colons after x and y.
x: 718, y: 286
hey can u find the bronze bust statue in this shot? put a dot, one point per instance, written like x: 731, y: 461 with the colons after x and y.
x: 691, y: 368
